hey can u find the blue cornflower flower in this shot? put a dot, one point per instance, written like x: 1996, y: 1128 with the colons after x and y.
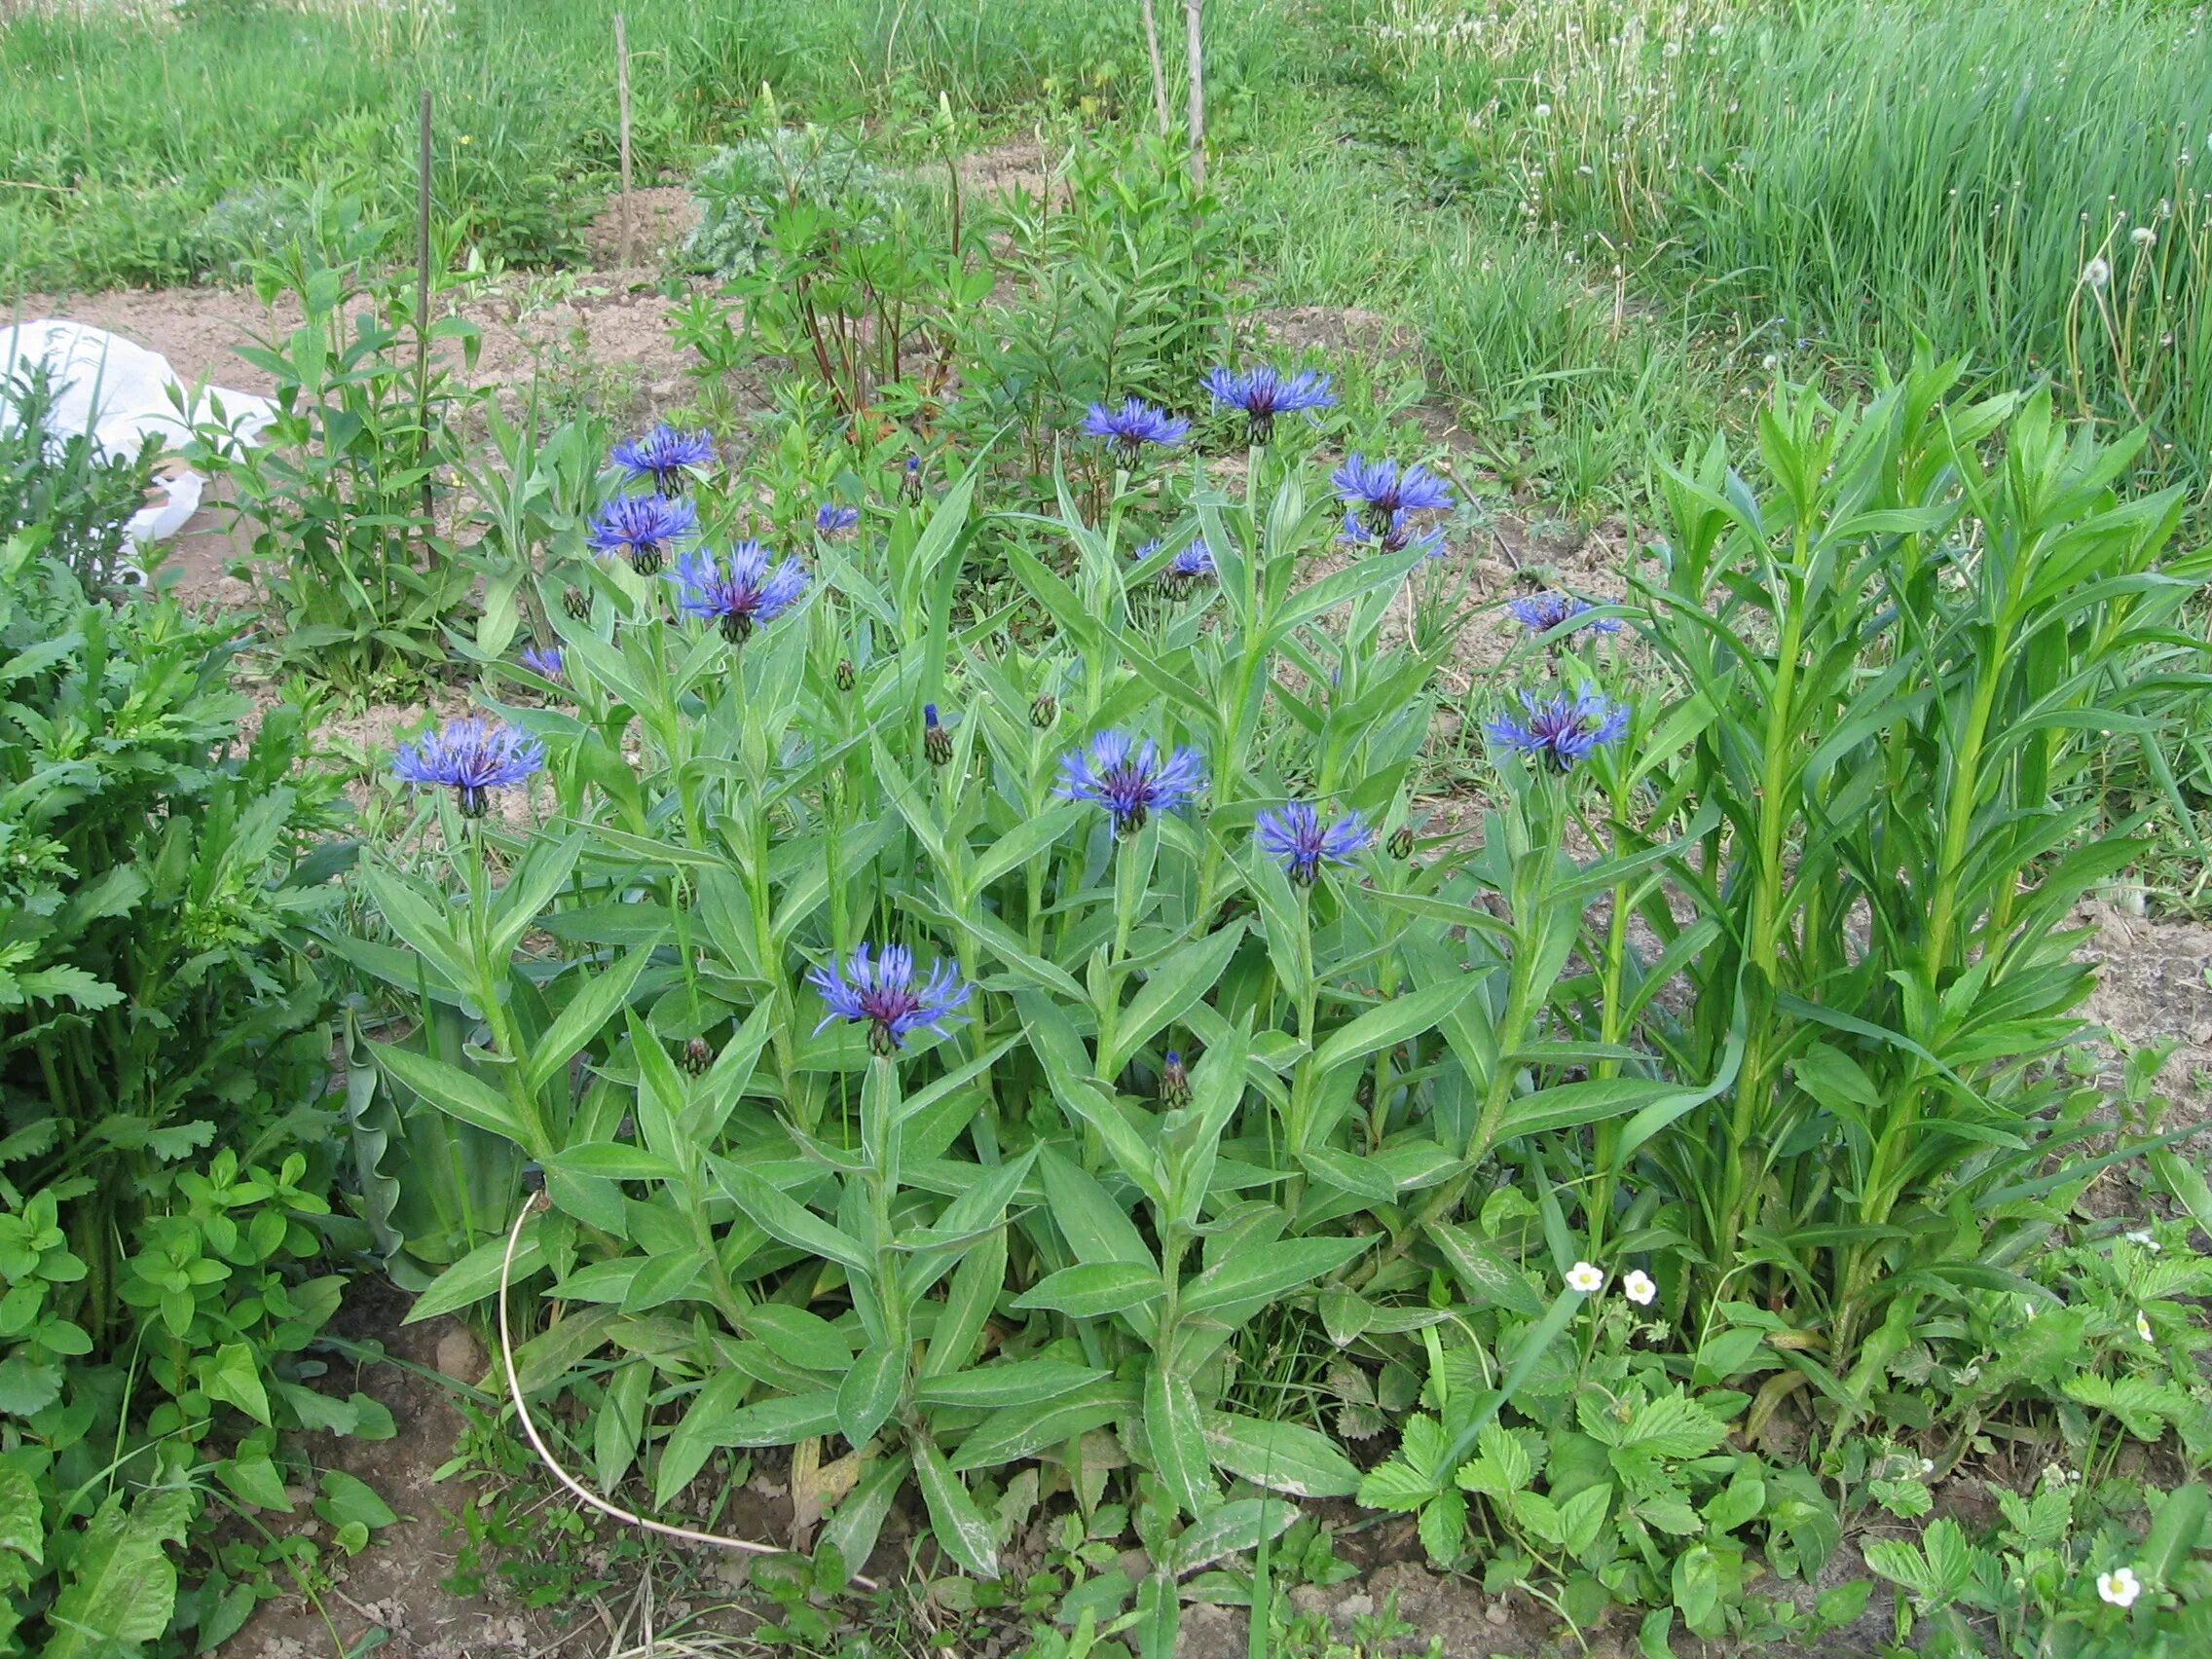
x: 1397, y: 537
x: 1263, y: 393
x: 1541, y: 612
x: 642, y: 529
x: 741, y: 594
x: 834, y: 516
x: 910, y: 486
x: 542, y: 660
x: 1385, y: 492
x: 1194, y: 564
x: 1562, y: 729
x: 1295, y: 835
x: 1129, y: 783
x: 883, y: 993
x: 469, y: 756
x: 666, y: 455
x: 1134, y: 425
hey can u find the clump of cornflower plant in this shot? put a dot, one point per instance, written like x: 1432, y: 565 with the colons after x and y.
x: 642, y: 529
x: 1130, y: 782
x: 740, y: 592
x: 1134, y: 425
x: 1296, y: 836
x: 471, y: 758
x: 544, y: 660
x: 832, y: 517
x: 1265, y: 391
x: 1562, y: 729
x: 1541, y: 612
x: 1396, y: 536
x: 1379, y: 492
x: 882, y: 992
x: 669, y: 457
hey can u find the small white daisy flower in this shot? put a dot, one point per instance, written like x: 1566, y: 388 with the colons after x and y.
x: 2144, y: 1239
x: 1584, y: 1277
x: 2096, y: 273
x: 2120, y: 1587
x: 2142, y: 1327
x: 1639, y: 1288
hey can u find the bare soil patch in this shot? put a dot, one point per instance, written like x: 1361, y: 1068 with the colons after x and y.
x: 600, y: 336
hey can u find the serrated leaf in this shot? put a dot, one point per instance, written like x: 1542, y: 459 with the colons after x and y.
x: 1442, y: 1528
x: 1395, y: 1485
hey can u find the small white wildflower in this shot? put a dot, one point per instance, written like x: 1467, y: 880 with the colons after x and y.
x: 1584, y: 1277
x: 2142, y: 1327
x: 1639, y: 1288
x: 2119, y: 1587
x: 2143, y: 236
x: 1543, y: 112
x: 2142, y: 1236
x: 2096, y: 273
x: 1927, y: 1468
x: 1770, y: 362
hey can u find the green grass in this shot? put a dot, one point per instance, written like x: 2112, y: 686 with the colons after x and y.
x: 1825, y: 181
x: 146, y: 146
x: 1599, y: 219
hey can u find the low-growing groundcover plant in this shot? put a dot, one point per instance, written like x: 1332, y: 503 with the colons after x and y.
x: 961, y: 1062
x: 167, y: 1161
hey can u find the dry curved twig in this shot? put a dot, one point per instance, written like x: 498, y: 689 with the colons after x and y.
x: 530, y: 1206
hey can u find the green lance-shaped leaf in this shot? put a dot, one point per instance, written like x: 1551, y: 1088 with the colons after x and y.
x: 960, y: 1527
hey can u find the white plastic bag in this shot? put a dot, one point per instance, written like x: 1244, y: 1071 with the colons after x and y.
x: 119, y: 391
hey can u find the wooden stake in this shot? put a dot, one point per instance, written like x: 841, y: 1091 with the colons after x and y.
x: 622, y: 100
x: 1194, y: 50
x: 1159, y: 74
x: 422, y: 310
